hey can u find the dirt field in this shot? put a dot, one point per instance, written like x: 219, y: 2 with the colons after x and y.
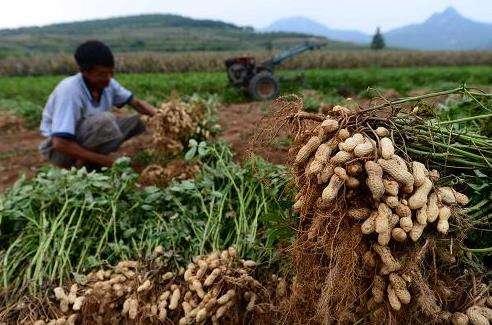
x: 19, y: 154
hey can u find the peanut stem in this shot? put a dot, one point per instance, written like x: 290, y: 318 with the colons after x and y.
x: 466, y: 119
x: 415, y: 98
x: 480, y: 250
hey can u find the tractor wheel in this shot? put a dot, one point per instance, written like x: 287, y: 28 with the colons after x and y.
x: 263, y: 86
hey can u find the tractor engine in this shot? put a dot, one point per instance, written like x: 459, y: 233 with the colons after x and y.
x: 258, y: 81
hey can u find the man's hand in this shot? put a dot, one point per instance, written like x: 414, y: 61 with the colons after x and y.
x: 109, y: 160
x: 143, y: 107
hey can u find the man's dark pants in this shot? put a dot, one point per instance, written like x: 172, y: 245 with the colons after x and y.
x: 102, y: 133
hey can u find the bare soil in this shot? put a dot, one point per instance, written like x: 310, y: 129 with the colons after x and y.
x: 239, y: 123
x: 18, y: 155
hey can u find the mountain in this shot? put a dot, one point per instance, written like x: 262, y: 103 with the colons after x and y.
x: 308, y: 26
x: 157, y: 32
x: 447, y: 30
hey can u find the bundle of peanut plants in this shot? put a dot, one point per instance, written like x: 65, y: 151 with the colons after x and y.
x: 379, y: 238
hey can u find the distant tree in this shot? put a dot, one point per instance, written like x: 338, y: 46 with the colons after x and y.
x: 378, y: 41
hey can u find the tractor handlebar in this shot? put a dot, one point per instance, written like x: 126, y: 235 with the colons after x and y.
x: 287, y: 54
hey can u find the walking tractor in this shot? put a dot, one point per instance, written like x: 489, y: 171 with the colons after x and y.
x: 257, y: 80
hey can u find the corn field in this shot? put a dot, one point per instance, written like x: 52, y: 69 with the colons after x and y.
x: 214, y: 61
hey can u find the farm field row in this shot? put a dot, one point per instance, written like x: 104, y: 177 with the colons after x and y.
x: 27, y: 95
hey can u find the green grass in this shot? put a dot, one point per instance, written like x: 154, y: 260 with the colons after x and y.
x: 401, y: 79
x: 24, y: 93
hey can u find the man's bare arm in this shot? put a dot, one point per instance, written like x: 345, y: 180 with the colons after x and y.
x: 142, y: 107
x: 76, y: 151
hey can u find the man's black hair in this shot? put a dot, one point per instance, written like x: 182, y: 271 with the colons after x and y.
x: 92, y: 53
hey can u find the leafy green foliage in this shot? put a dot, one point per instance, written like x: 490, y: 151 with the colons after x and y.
x: 23, y: 108
x: 63, y: 221
x: 459, y: 108
x: 244, y: 206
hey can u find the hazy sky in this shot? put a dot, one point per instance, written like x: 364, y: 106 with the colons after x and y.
x: 363, y: 15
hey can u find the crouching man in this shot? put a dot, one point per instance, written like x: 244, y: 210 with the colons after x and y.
x: 79, y: 128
